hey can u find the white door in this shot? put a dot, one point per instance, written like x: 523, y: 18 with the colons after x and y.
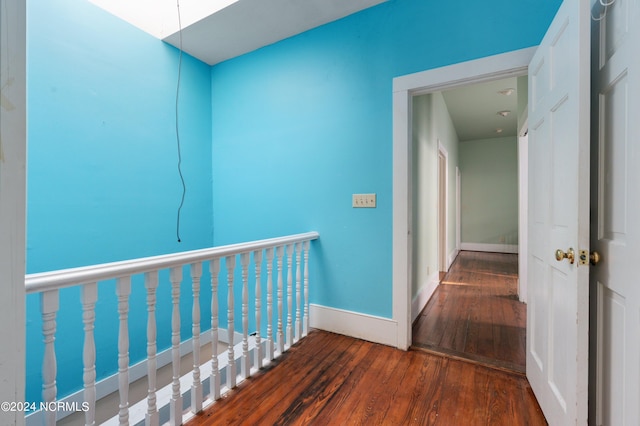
x: 13, y: 149
x: 558, y: 291
x: 615, y: 231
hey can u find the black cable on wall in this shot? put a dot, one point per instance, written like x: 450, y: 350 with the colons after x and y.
x: 184, y: 186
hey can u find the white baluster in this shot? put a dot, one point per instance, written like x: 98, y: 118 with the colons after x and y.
x: 305, y: 325
x: 123, y: 290
x: 151, y: 283
x: 89, y: 297
x: 257, y: 259
x: 298, y: 333
x: 214, y: 268
x: 49, y: 305
x: 231, y: 366
x: 279, y: 333
x: 245, y: 367
x: 196, y: 387
x: 270, y: 345
x: 289, y: 294
x: 175, y: 407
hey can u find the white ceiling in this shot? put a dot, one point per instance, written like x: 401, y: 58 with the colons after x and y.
x: 474, y: 110
x: 216, y: 30
x: 247, y: 25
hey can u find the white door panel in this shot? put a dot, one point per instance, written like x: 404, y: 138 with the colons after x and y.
x: 558, y: 292
x: 615, y: 230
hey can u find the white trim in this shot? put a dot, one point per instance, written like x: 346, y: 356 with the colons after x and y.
x: 421, y: 299
x: 88, y: 274
x: 491, y: 248
x: 361, y: 326
x: 13, y: 148
x: 511, y: 64
x: 402, y: 208
x: 523, y: 203
x: 108, y: 385
x: 452, y: 257
x: 443, y: 207
x: 496, y: 67
x: 458, y: 211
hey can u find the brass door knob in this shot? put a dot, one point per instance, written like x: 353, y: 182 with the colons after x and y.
x: 570, y: 254
x: 595, y: 258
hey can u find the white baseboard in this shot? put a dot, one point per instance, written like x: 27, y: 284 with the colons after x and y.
x: 137, y: 371
x: 493, y: 248
x: 354, y: 324
x: 452, y: 257
x: 424, y: 294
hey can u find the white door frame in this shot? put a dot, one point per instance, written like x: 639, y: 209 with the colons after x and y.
x: 511, y: 64
x: 443, y: 207
x: 13, y: 148
x: 458, y: 212
x: 523, y: 208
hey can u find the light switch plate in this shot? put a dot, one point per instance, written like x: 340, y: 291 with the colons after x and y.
x: 364, y: 201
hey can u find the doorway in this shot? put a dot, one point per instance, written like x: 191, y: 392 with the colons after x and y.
x: 512, y: 64
x: 474, y: 312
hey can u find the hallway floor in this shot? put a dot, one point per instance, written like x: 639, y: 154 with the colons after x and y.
x: 329, y: 379
x: 475, y: 313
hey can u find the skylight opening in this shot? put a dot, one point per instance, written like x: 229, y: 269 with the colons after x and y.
x: 159, y: 17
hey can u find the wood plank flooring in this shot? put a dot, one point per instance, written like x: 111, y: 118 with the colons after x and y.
x: 329, y: 379
x: 475, y: 313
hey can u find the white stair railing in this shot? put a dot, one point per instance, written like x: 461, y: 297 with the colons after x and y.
x: 196, y: 387
x: 123, y: 290
x: 151, y: 284
x: 252, y: 353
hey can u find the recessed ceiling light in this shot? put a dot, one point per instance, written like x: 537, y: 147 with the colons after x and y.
x: 498, y: 130
x: 504, y: 113
x: 506, y: 92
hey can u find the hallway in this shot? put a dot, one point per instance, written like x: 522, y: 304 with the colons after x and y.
x: 475, y: 314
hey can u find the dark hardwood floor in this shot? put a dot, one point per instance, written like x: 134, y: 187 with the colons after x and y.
x: 329, y: 379
x: 475, y: 314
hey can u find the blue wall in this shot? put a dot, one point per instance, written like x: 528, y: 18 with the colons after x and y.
x: 301, y: 125
x: 292, y: 129
x: 102, y: 175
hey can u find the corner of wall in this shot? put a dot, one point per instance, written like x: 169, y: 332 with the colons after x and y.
x: 421, y: 299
